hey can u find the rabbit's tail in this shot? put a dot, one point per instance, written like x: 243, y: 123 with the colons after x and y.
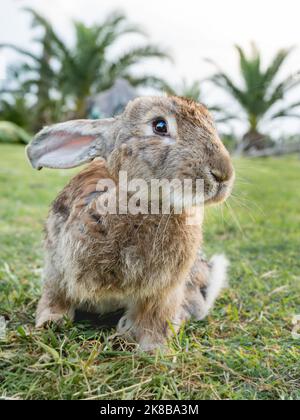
x: 217, y: 280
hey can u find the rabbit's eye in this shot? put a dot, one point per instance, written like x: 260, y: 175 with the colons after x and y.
x: 160, y: 126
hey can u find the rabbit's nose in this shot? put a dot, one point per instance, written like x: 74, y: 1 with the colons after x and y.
x: 218, y: 175
x: 221, y: 168
x: 222, y: 175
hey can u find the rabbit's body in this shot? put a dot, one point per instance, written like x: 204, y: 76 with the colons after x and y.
x: 112, y: 261
x: 148, y: 264
x: 115, y: 253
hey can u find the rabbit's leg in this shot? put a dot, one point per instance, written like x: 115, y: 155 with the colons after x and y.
x: 204, y: 286
x: 148, y: 320
x: 53, y: 305
x: 52, y: 308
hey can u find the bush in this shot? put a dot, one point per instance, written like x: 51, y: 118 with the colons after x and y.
x: 12, y: 133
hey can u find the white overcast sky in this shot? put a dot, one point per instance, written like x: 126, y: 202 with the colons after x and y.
x: 191, y: 30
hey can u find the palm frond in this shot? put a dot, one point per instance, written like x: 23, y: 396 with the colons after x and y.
x: 223, y: 81
x: 136, y: 55
x: 250, y: 67
x: 115, y: 26
x: 149, y: 81
x: 288, y: 111
x: 276, y: 65
x: 283, y: 87
x: 20, y: 50
x: 52, y: 38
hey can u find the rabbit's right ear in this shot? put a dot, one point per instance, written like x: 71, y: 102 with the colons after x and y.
x: 71, y: 144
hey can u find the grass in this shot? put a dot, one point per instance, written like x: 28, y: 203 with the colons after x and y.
x: 244, y: 350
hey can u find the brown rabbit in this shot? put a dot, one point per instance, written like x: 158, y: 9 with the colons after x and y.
x: 150, y: 264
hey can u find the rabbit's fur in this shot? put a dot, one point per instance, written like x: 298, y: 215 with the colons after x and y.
x: 150, y: 264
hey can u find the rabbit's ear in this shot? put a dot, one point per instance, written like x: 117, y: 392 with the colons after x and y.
x: 71, y: 144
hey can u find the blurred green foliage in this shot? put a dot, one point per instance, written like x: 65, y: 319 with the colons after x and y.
x: 11, y: 133
x: 54, y: 83
x: 260, y: 94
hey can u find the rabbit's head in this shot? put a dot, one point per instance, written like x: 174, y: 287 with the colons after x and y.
x: 155, y: 138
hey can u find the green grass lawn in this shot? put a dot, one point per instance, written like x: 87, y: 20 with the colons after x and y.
x: 244, y: 349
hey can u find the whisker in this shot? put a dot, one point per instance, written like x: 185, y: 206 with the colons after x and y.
x: 235, y: 218
x: 247, y: 203
x: 244, y: 206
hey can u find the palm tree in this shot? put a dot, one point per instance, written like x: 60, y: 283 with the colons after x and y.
x: 259, y: 93
x: 63, y: 76
x: 36, y: 74
x: 86, y: 69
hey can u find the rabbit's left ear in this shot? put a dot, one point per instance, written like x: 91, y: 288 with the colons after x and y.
x: 71, y: 144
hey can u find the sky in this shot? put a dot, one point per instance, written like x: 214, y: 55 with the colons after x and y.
x: 190, y: 30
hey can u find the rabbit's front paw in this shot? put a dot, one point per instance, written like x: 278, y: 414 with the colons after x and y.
x: 146, y: 342
x: 47, y: 317
x: 124, y: 325
x: 150, y: 344
x: 48, y: 311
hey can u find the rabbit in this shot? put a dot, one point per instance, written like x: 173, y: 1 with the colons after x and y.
x: 149, y: 264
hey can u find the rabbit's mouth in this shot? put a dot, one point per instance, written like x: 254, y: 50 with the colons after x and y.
x: 220, y: 193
